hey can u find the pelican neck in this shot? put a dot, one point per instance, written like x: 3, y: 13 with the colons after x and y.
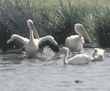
x: 31, y: 35
x: 65, y: 58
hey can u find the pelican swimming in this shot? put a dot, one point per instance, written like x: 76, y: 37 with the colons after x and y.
x: 98, y: 54
x: 75, y: 42
x: 32, y: 45
x: 75, y: 60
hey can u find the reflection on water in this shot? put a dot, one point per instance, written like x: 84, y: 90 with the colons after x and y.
x: 19, y: 73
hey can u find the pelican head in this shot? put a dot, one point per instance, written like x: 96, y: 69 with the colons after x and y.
x: 98, y: 50
x: 32, y: 28
x: 64, y: 50
x: 80, y: 30
x: 95, y: 50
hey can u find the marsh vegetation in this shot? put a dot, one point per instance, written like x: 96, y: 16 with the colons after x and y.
x: 56, y: 18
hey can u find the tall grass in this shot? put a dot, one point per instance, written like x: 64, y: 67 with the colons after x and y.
x: 95, y: 18
x: 13, y: 20
x: 62, y: 21
x: 15, y: 16
x: 99, y: 26
x: 51, y: 5
x: 55, y: 17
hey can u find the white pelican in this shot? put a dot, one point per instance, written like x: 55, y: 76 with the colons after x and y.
x: 75, y: 42
x: 32, y: 45
x: 77, y: 59
x: 98, y: 54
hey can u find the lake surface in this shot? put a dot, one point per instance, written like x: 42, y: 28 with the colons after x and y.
x: 19, y: 73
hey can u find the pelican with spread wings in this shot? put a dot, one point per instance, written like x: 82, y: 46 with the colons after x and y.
x: 32, y: 45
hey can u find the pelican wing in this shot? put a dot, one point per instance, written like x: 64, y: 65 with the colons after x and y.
x: 48, y: 40
x: 75, y: 37
x: 80, y: 59
x: 18, y: 38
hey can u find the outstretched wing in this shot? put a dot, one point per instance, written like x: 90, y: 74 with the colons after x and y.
x: 18, y: 38
x: 48, y: 41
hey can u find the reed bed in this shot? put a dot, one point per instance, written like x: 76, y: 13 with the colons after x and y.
x: 56, y: 18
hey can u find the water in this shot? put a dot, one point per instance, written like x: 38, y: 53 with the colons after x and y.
x: 43, y: 74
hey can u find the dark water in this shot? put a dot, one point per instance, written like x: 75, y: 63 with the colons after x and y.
x: 42, y: 74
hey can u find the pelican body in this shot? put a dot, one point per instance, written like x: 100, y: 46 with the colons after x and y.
x: 75, y: 42
x: 31, y: 48
x: 96, y: 55
x: 32, y: 45
x: 75, y: 60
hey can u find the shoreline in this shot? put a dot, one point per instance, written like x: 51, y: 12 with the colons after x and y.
x: 19, y: 51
